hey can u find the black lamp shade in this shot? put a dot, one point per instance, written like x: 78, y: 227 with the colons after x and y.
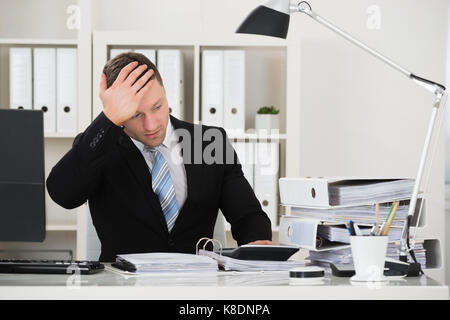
x: 267, y: 22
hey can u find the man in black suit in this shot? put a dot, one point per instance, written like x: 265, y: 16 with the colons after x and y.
x: 153, y: 182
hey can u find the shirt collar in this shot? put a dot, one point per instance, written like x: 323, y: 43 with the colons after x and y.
x: 166, y: 142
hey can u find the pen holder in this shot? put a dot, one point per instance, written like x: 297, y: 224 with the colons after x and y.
x: 369, y: 255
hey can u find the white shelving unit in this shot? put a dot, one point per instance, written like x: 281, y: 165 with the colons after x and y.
x: 62, y: 225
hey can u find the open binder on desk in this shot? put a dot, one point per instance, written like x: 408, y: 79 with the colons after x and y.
x: 251, y: 257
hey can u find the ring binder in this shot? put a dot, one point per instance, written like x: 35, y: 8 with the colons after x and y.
x: 208, y: 240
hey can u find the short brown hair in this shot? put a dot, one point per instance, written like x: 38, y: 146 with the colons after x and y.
x: 112, y: 67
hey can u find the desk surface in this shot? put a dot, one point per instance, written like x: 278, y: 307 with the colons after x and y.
x: 214, y: 286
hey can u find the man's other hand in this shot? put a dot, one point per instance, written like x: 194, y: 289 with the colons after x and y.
x: 261, y: 242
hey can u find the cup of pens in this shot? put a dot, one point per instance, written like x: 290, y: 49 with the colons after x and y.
x: 369, y: 251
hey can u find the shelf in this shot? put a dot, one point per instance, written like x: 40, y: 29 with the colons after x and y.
x: 255, y: 136
x: 37, y: 41
x: 61, y: 227
x: 60, y: 135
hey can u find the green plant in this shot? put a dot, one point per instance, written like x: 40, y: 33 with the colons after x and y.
x: 268, y: 110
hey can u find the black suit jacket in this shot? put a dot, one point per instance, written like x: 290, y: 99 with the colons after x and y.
x: 105, y: 168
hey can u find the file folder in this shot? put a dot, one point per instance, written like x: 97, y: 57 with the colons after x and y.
x: 266, y: 178
x: 115, y: 52
x: 66, y: 90
x: 212, y: 87
x: 327, y: 192
x: 171, y: 68
x: 234, y: 90
x: 303, y: 233
x: 44, y: 73
x: 246, y: 156
x: 149, y: 53
x: 20, y: 78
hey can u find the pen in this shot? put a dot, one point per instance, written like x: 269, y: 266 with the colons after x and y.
x: 352, y: 229
x: 349, y: 230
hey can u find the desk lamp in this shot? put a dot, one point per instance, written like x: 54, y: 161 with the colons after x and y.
x: 272, y: 19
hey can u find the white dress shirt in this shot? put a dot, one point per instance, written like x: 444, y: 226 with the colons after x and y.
x: 170, y: 150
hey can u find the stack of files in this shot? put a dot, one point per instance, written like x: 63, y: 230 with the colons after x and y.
x: 357, y: 191
x: 359, y: 214
x: 230, y: 264
x: 165, y: 262
x: 339, y: 233
x: 344, y: 256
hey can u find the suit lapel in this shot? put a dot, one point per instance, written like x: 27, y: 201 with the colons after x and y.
x: 193, y: 171
x: 139, y: 168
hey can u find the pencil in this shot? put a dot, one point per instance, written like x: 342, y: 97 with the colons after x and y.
x: 391, y: 218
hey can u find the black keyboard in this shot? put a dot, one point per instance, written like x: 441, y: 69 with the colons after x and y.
x: 50, y: 266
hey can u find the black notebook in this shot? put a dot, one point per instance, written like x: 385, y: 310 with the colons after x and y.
x: 260, y: 252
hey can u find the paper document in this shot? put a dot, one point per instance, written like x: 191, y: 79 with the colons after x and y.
x: 228, y: 264
x: 359, y: 214
x: 357, y: 191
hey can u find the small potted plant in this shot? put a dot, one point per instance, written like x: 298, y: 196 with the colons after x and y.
x: 267, y: 118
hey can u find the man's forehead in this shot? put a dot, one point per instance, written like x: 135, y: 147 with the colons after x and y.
x: 153, y: 96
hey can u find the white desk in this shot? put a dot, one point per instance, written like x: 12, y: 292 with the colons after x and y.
x: 220, y: 286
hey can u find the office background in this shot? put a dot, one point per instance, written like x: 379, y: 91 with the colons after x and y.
x: 356, y: 116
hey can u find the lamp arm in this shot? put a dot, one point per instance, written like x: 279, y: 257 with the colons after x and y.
x: 437, y: 89
x: 305, y: 7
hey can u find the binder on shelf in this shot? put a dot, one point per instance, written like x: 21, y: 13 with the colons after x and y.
x: 212, y: 87
x: 171, y: 68
x: 234, y: 90
x: 115, y: 52
x: 20, y: 78
x: 342, y: 191
x: 266, y: 178
x: 149, y: 53
x: 44, y: 74
x: 245, y: 152
x: 66, y: 90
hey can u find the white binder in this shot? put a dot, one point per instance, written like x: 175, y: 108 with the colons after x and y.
x: 149, y: 53
x: 266, y: 178
x: 245, y: 153
x: 212, y: 87
x: 115, y: 52
x: 303, y: 233
x: 315, y: 192
x: 44, y: 73
x: 171, y: 68
x: 20, y: 77
x: 66, y: 90
x: 234, y: 91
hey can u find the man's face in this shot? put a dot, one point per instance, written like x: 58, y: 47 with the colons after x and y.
x: 149, y: 124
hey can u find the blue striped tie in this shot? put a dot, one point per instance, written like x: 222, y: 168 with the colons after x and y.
x: 163, y: 187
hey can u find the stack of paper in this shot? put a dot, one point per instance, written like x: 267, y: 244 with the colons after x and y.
x: 359, y: 214
x: 339, y: 233
x: 227, y: 263
x: 166, y: 262
x: 344, y: 256
x: 359, y: 191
